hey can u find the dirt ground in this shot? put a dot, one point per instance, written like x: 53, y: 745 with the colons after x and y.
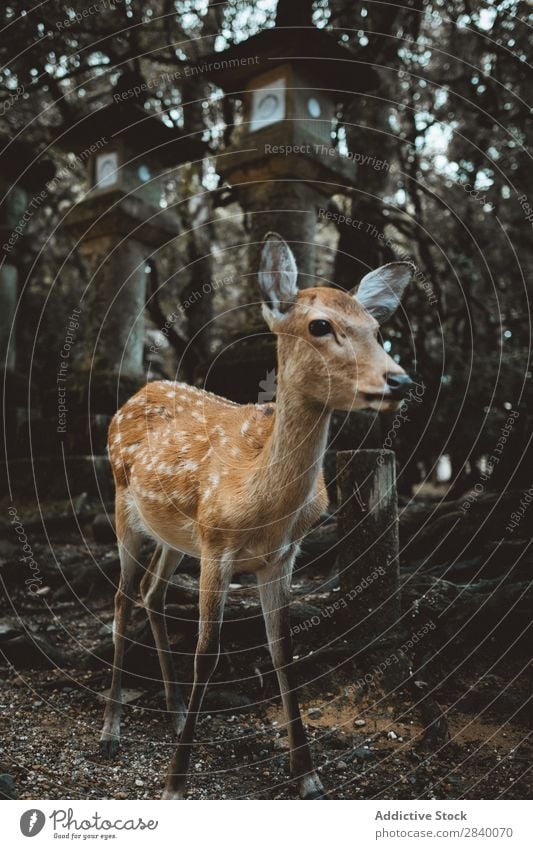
x: 363, y: 747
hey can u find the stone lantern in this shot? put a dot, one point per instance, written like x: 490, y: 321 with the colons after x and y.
x: 118, y: 225
x: 281, y: 162
x: 23, y: 179
x: 281, y: 159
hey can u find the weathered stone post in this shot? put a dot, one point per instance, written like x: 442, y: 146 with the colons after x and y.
x: 289, y: 207
x: 116, y: 236
x: 368, y: 544
x: 368, y: 563
x: 23, y: 178
x: 119, y: 224
x: 280, y: 163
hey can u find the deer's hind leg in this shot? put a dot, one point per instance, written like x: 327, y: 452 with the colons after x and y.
x: 153, y: 591
x: 274, y: 592
x: 129, y: 546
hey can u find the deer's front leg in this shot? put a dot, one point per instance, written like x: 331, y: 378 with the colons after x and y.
x: 215, y: 577
x: 274, y: 590
x: 129, y: 547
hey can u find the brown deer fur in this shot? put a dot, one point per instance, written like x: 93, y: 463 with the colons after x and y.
x: 238, y: 486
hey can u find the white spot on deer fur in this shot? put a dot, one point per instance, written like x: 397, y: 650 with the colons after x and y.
x: 214, y: 479
x: 189, y: 466
x: 234, y: 452
x: 245, y: 427
x: 117, y: 439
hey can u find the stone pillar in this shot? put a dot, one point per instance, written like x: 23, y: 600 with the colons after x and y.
x: 368, y: 546
x: 106, y: 366
x: 289, y: 207
x: 15, y: 199
x: 12, y: 390
x: 103, y: 366
x: 8, y: 303
x: 116, y: 236
x: 113, y: 327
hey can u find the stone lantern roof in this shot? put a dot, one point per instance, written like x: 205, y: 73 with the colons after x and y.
x: 141, y: 132
x: 309, y: 49
x: 19, y: 163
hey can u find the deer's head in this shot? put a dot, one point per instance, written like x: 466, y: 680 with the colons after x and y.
x: 328, y: 346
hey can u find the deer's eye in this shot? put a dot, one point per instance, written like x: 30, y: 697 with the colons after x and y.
x: 320, y: 327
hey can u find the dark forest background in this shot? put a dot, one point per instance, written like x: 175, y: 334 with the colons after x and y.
x: 450, y: 118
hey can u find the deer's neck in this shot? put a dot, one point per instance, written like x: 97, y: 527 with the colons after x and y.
x: 292, y: 457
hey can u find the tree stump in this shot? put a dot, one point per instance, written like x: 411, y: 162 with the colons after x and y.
x: 368, y: 543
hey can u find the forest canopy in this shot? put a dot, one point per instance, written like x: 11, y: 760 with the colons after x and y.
x: 443, y: 178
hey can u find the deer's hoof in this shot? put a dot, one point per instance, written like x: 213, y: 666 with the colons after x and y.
x: 178, y: 722
x: 315, y: 794
x: 172, y: 794
x: 109, y: 748
x: 310, y: 787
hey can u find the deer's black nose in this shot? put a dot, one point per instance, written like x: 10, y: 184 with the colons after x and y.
x: 398, y: 384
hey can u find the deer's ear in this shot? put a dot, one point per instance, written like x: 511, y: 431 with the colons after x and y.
x: 381, y: 291
x: 277, y: 277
